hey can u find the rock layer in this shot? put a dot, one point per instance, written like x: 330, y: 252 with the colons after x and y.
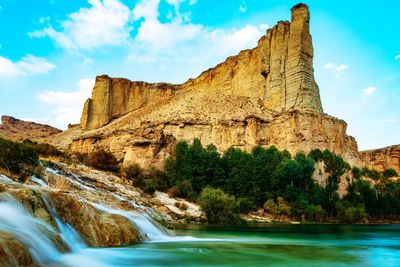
x: 383, y: 158
x: 262, y: 96
x: 19, y: 130
x: 279, y: 72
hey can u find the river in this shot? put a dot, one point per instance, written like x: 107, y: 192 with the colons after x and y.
x: 274, y: 245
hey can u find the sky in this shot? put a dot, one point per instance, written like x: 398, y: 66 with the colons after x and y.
x: 52, y: 50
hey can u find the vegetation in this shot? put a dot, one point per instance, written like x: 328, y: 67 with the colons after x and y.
x: 17, y: 157
x: 278, y: 182
x: 103, y: 160
x: 219, y: 207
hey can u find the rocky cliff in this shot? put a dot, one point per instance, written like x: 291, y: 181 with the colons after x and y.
x: 263, y: 96
x: 19, y: 130
x: 383, y: 158
x: 278, y: 72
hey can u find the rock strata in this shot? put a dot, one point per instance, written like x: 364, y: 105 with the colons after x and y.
x: 19, y: 130
x: 383, y: 158
x: 278, y: 72
x: 262, y: 96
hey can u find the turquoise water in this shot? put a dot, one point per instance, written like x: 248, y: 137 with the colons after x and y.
x: 274, y: 245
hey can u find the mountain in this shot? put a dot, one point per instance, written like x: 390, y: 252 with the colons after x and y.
x: 19, y: 130
x: 262, y: 96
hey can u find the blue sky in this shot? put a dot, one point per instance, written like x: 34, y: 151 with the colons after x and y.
x: 51, y: 51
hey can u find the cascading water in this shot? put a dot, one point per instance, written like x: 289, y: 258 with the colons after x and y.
x: 31, y: 232
x: 68, y: 234
x: 40, y: 238
x: 147, y: 227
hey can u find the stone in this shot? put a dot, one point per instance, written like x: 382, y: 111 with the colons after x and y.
x: 19, y: 130
x: 279, y: 72
x: 383, y: 158
x: 262, y: 96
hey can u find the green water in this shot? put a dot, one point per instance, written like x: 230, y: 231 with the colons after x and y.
x: 276, y: 245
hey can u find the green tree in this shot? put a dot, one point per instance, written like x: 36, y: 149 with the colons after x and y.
x: 219, y: 208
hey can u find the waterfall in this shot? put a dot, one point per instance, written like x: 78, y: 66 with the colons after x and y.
x: 31, y: 232
x: 147, y: 227
x: 68, y: 234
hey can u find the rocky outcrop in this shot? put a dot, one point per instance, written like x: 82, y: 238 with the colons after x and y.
x: 383, y: 158
x: 19, y: 130
x: 278, y: 72
x: 262, y: 96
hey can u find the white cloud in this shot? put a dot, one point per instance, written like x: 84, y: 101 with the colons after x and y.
x: 192, y: 2
x: 106, y: 22
x: 391, y: 120
x: 181, y: 40
x: 397, y: 57
x: 263, y: 27
x: 28, y: 65
x: 243, y: 7
x: 68, y: 105
x: 338, y: 68
x: 369, y: 90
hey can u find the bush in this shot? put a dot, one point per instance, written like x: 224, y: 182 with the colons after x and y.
x: 173, y: 191
x: 270, y: 207
x: 149, y: 186
x: 245, y: 204
x: 44, y: 149
x: 314, y: 213
x: 15, y: 157
x: 181, y: 205
x: 186, y: 189
x: 220, y: 208
x: 103, y: 160
x: 134, y: 174
x: 351, y: 214
x: 388, y: 173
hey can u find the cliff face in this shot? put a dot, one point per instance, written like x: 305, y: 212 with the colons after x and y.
x: 279, y: 72
x: 19, y: 130
x: 383, y: 158
x: 263, y: 96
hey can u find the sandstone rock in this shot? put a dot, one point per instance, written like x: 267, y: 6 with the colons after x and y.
x: 98, y: 229
x: 19, y: 130
x: 262, y: 96
x: 13, y: 253
x: 279, y: 72
x: 383, y: 158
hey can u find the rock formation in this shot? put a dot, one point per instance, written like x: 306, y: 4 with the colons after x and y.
x: 263, y: 96
x: 279, y: 72
x: 383, y: 158
x: 19, y: 130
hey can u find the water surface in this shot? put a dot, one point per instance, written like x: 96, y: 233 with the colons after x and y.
x: 274, y: 245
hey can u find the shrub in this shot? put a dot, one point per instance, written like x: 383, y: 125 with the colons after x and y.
x: 357, y: 173
x: 133, y: 173
x: 103, y: 160
x: 270, y: 207
x: 349, y: 213
x: 389, y: 173
x: 219, y: 208
x: 173, y: 191
x: 44, y: 149
x: 16, y: 156
x: 149, y: 186
x: 181, y: 205
x: 186, y: 189
x: 314, y: 213
x: 245, y: 204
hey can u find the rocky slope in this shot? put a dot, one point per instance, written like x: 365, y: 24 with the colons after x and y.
x: 70, y: 208
x: 263, y: 96
x: 383, y: 158
x: 19, y: 130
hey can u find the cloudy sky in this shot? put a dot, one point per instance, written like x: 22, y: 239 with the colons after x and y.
x: 51, y: 51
